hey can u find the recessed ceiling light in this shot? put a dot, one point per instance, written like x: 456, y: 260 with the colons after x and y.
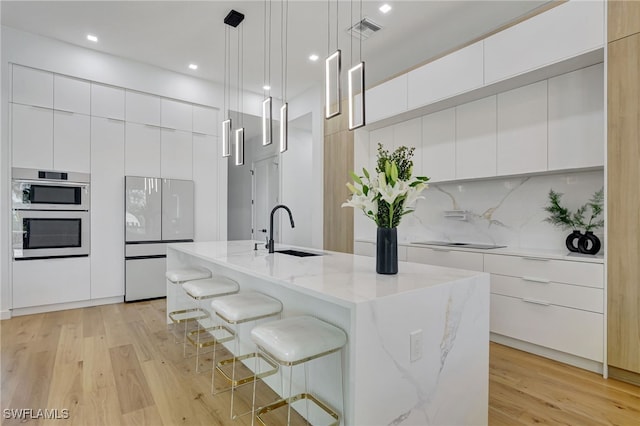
x: 266, y: 87
x: 385, y: 8
x: 92, y: 38
x: 313, y: 57
x: 193, y: 66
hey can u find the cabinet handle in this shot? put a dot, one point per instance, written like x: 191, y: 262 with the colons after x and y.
x: 171, y: 129
x: 41, y: 108
x: 65, y: 111
x: 199, y: 133
x: 152, y: 126
x: 117, y: 120
x: 536, y: 259
x: 441, y: 250
x: 536, y: 280
x: 536, y: 302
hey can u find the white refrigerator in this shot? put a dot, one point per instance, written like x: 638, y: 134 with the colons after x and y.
x: 157, y: 211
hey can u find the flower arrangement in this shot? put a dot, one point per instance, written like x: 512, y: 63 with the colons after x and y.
x: 566, y: 219
x: 392, y: 192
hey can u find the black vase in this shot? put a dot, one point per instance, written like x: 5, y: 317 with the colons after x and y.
x: 572, y: 241
x: 589, y: 243
x: 387, y: 251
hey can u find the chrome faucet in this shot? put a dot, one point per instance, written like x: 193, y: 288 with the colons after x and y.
x: 270, y: 242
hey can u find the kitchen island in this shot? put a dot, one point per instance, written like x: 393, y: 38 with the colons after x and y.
x: 418, y: 342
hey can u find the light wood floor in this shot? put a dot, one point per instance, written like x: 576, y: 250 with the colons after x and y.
x: 118, y: 365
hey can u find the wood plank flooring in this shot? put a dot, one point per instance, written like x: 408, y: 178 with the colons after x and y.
x: 118, y: 365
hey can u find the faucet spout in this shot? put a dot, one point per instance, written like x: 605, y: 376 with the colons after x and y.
x: 270, y: 242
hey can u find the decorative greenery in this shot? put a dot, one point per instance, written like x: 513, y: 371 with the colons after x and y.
x: 391, y: 194
x: 564, y: 218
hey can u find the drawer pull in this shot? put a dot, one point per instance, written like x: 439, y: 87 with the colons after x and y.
x: 441, y: 250
x: 536, y: 302
x: 536, y: 280
x: 536, y: 259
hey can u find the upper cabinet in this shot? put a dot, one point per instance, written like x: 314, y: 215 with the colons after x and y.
x: 205, y: 120
x: 459, y: 72
x: 142, y: 108
x: 176, y: 115
x: 576, y: 119
x: 476, y: 139
x: 522, y: 130
x: 439, y: 145
x: 567, y: 30
x: 32, y: 87
x: 386, y: 99
x: 32, y: 136
x: 107, y: 101
x: 71, y: 94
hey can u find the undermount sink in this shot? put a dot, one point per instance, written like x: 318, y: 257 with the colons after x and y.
x: 298, y: 253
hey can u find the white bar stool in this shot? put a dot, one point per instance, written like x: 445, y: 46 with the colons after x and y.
x: 235, y: 310
x: 204, y: 289
x: 296, y: 340
x: 179, y: 277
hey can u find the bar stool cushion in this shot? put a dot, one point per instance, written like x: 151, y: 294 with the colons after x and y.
x: 187, y: 274
x: 245, y: 306
x: 298, y: 338
x: 210, y: 287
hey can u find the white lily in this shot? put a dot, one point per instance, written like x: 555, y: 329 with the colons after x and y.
x: 390, y: 193
x: 413, y: 195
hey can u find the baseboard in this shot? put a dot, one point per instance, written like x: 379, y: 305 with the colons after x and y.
x: 624, y: 375
x: 5, y: 315
x: 64, y: 306
x: 565, y: 358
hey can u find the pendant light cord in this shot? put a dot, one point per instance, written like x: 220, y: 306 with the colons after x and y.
x: 284, y: 46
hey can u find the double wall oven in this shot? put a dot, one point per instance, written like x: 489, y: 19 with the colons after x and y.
x: 50, y: 214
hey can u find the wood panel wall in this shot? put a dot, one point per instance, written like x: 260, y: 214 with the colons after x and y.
x: 623, y: 191
x: 338, y: 162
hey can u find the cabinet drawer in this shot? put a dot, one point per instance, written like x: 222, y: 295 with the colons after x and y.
x: 568, y: 295
x: 364, y: 248
x: 448, y: 258
x: 560, y: 271
x: 564, y: 329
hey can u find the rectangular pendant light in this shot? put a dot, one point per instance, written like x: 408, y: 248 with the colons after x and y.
x: 332, y: 84
x: 226, y: 138
x: 356, y: 96
x: 284, y: 127
x: 267, y: 129
x: 240, y: 146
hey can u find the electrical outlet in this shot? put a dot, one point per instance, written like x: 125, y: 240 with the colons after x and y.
x: 415, y: 345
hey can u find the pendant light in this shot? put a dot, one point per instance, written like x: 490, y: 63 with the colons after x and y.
x: 284, y: 110
x: 332, y: 66
x: 233, y: 19
x: 355, y: 82
x: 267, y: 104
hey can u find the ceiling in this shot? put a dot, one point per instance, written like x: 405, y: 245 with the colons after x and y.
x: 173, y: 34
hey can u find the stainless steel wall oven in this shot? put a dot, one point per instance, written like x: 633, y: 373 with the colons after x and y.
x: 50, y: 214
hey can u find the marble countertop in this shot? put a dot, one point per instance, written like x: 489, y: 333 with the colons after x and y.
x: 512, y: 251
x: 340, y: 278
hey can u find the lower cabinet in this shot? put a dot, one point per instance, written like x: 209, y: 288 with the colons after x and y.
x: 449, y: 258
x: 49, y: 281
x: 145, y: 278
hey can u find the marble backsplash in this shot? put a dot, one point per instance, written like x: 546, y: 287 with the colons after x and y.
x: 505, y: 211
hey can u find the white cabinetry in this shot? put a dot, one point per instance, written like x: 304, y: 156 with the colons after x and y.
x: 107, y: 208
x: 32, y: 137
x: 205, y: 177
x: 71, y: 94
x: 552, y: 303
x: 176, y: 154
x: 107, y: 101
x: 443, y: 257
x: 142, y: 108
x: 570, y: 29
x: 576, y: 119
x: 364, y: 248
x: 176, y: 115
x: 142, y: 150
x: 458, y: 72
x: 205, y: 120
x: 476, y: 139
x: 71, y: 142
x: 522, y: 130
x: 50, y: 281
x: 439, y: 145
x: 32, y: 87
x: 387, y: 99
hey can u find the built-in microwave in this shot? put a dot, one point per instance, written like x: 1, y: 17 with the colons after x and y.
x: 50, y: 233
x: 49, y: 190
